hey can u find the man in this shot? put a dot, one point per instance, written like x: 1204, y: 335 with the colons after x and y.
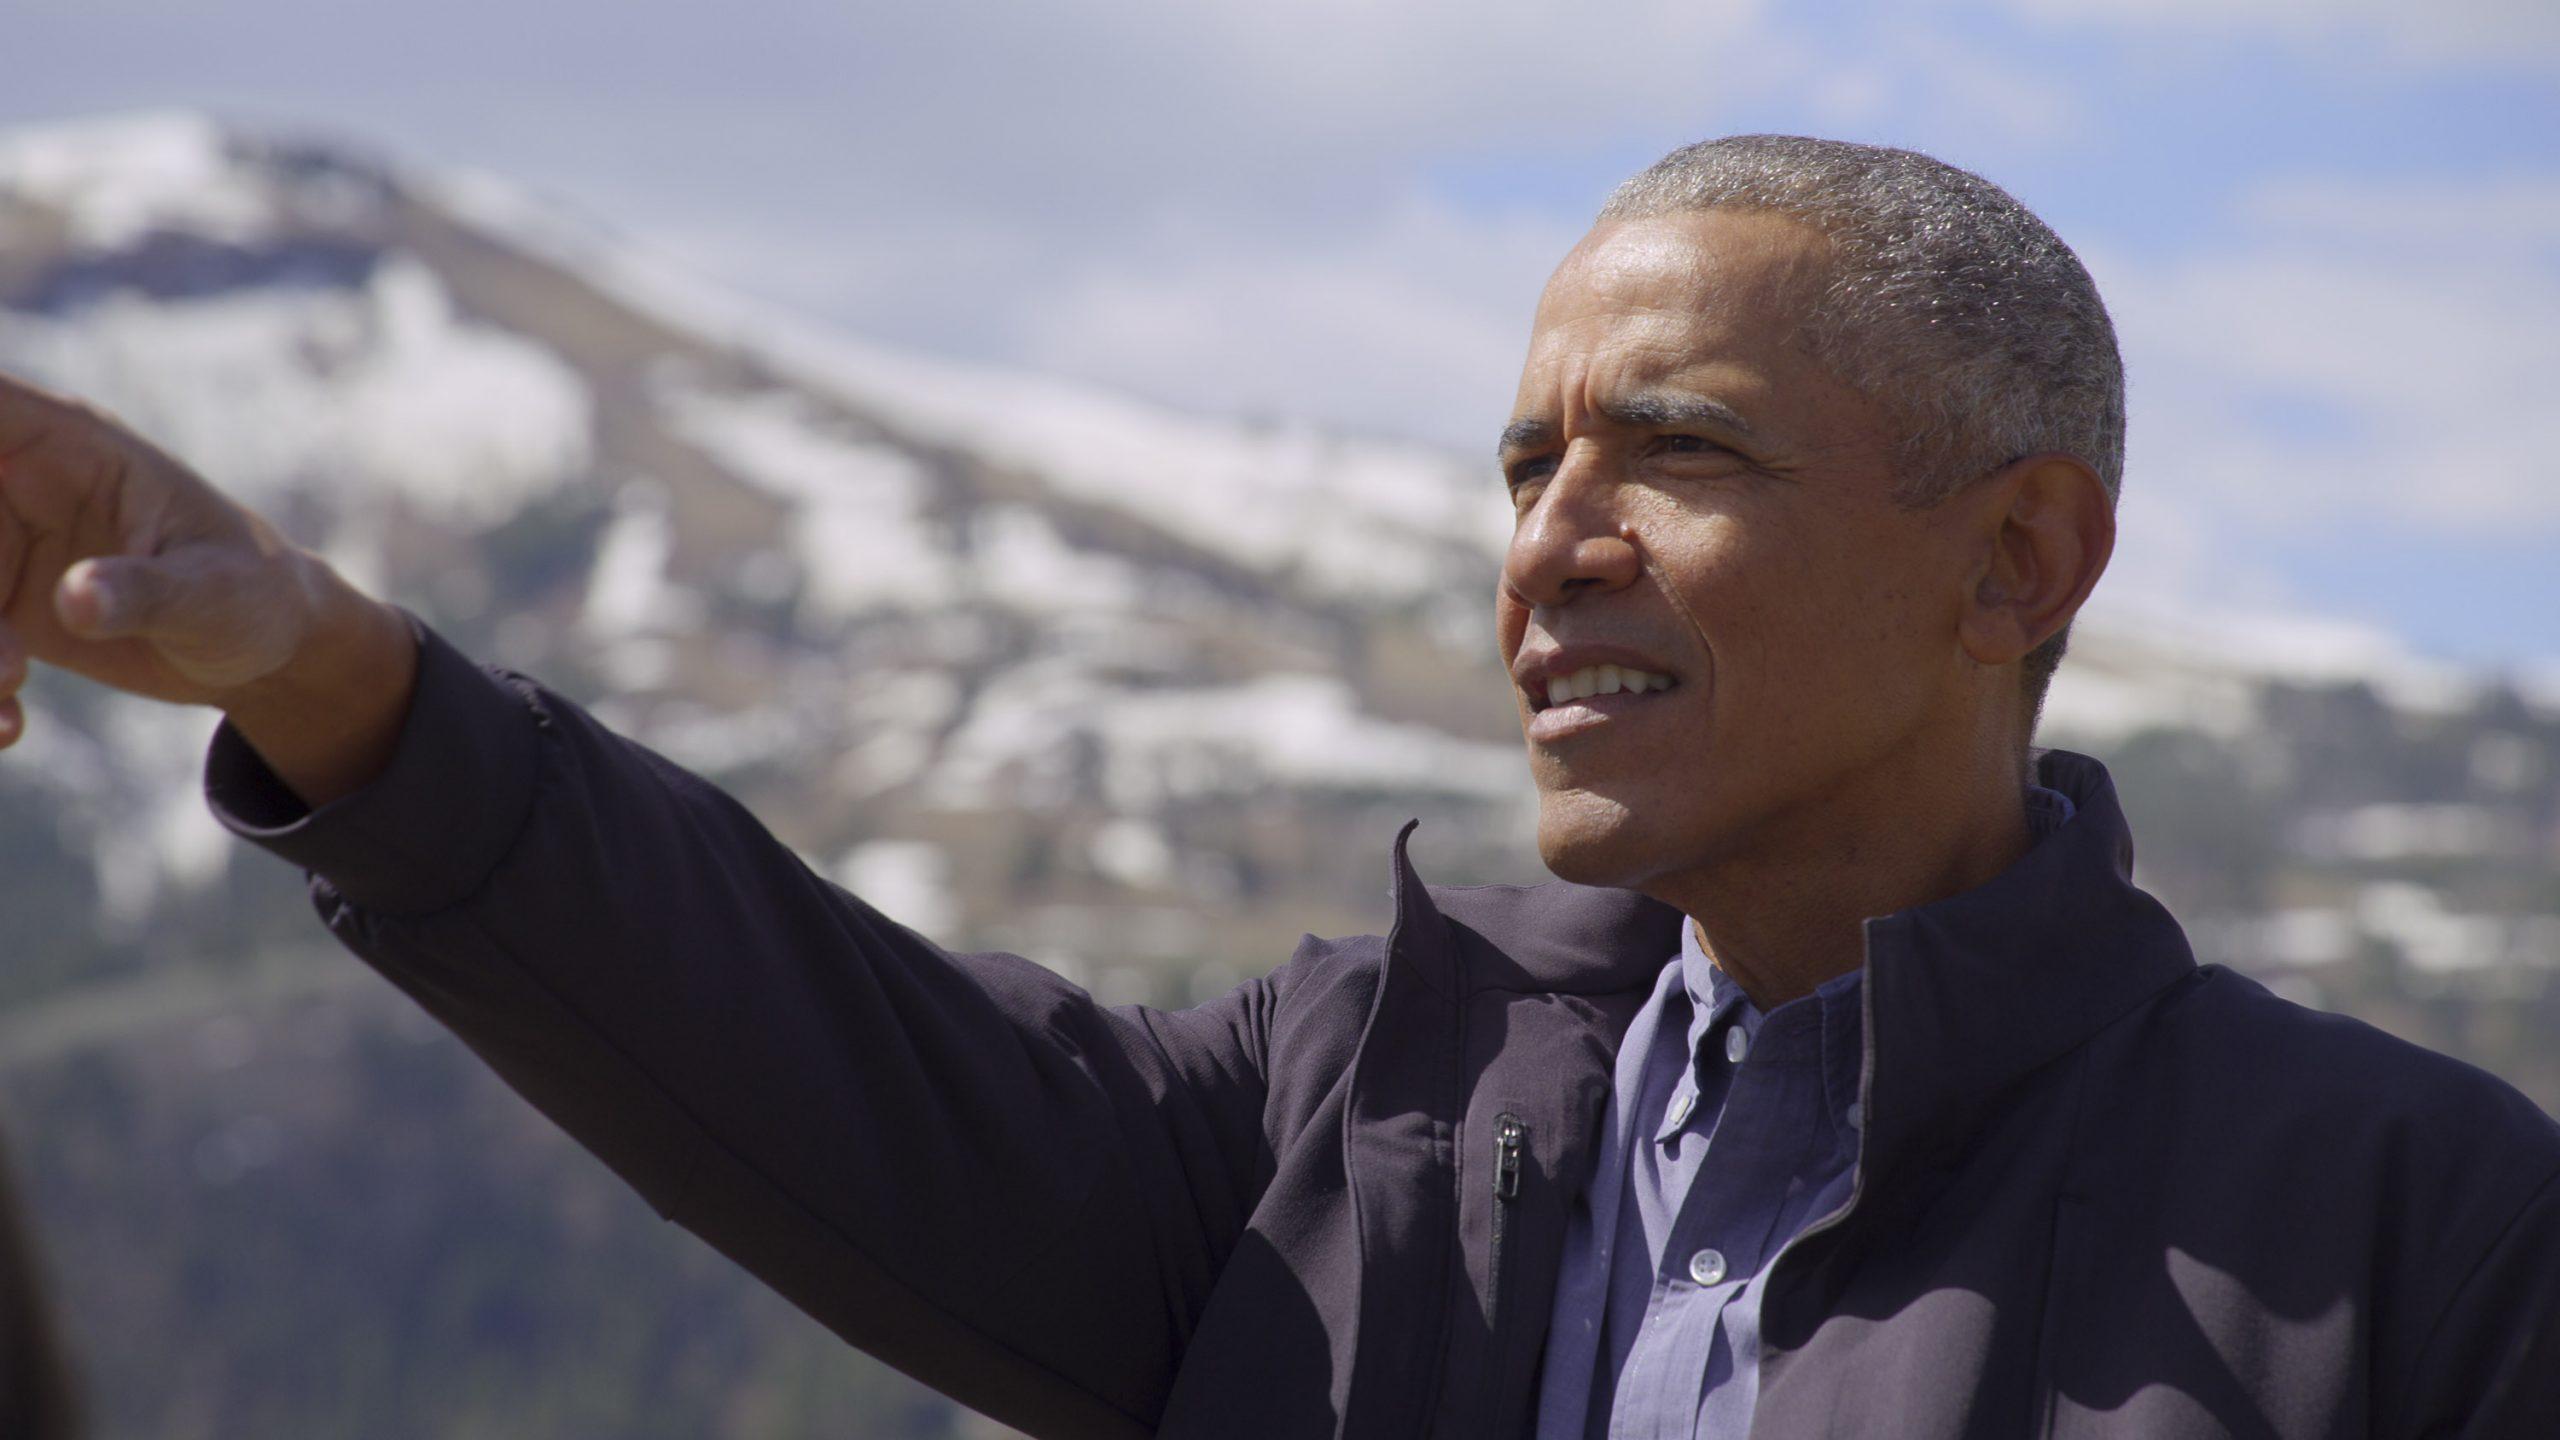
x: 1922, y: 1122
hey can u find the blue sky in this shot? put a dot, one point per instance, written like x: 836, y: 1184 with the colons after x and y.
x: 2330, y: 232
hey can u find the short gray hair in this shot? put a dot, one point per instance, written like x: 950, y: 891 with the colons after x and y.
x: 1948, y: 301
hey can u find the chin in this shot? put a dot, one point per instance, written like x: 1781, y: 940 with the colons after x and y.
x: 1593, y: 840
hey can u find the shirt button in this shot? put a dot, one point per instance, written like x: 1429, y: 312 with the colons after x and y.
x: 1706, y: 1267
x: 1857, y: 1116
x: 1736, y: 1045
x: 1680, y: 1109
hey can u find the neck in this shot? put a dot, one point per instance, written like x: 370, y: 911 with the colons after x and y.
x: 1789, y: 912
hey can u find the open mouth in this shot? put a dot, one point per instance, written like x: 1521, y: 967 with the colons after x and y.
x: 1592, y: 680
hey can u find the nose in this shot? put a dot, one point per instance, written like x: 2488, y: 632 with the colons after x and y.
x: 1571, y: 542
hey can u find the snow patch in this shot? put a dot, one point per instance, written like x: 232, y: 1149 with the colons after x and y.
x: 118, y: 180
x: 2143, y: 667
x: 2390, y: 832
x: 1022, y: 561
x: 907, y: 880
x: 1051, y: 729
x: 130, y: 794
x: 1354, y: 519
x: 860, y: 534
x: 1132, y: 853
x: 2103, y: 695
x: 628, y: 592
x: 270, y: 391
x: 2431, y: 937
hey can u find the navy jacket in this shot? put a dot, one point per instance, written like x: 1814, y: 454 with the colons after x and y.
x: 2103, y: 1192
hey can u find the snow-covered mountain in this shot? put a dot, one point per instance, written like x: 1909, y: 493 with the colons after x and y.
x: 1039, y: 665
x: 900, y: 602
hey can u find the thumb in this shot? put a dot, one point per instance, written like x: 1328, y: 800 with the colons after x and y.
x: 216, y: 617
x: 114, y: 597
x: 193, y: 593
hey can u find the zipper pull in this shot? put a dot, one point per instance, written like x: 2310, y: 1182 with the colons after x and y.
x: 1508, y: 1133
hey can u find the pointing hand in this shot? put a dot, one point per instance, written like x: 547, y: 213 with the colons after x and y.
x: 119, y: 563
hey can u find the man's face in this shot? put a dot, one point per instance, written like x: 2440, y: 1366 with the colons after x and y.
x: 1699, y: 501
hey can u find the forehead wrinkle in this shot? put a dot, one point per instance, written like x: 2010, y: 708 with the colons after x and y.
x: 1640, y: 305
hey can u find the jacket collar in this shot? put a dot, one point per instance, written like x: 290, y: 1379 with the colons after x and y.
x: 1965, y: 994
x: 1971, y: 993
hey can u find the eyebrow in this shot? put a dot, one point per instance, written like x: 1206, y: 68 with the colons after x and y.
x: 1648, y: 409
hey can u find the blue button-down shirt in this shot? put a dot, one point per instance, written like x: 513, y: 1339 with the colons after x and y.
x: 1656, y: 1332
x: 1774, y: 1098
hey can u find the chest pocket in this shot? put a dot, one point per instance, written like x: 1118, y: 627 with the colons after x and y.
x: 1524, y: 1152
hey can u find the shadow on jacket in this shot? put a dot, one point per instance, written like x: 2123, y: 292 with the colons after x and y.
x: 37, y: 1398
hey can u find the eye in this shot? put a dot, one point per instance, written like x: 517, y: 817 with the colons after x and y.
x: 1689, y: 445
x: 1525, y: 478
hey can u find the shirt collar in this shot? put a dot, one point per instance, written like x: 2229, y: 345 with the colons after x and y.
x: 1713, y: 995
x: 2048, y: 810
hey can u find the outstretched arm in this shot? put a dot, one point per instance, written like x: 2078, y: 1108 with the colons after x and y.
x: 959, y: 1162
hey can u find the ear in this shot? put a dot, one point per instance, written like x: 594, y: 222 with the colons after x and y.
x: 2049, y: 528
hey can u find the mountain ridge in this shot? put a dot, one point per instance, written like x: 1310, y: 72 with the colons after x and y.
x: 586, y: 462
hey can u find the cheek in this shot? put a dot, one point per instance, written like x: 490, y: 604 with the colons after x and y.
x: 1851, y: 633
x: 1510, y: 624
x: 1787, y: 614
x: 1720, y: 579
x: 1886, y: 596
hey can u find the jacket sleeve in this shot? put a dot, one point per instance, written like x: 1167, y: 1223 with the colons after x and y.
x: 2491, y: 1367
x: 960, y: 1163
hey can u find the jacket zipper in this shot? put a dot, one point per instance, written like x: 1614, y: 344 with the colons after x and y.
x: 1510, y: 1133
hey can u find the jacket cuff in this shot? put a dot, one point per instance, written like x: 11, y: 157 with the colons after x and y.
x: 426, y: 833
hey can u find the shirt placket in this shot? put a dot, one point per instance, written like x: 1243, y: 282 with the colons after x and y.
x: 1756, y: 1141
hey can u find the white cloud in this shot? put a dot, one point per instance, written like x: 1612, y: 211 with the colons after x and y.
x: 2516, y: 34
x: 1236, y: 208
x: 1898, y: 79
x: 2366, y: 354
x: 1412, y: 322
x: 2509, y: 216
x: 1382, y: 77
x: 1244, y: 208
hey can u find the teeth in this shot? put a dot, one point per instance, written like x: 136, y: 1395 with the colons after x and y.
x: 1593, y: 680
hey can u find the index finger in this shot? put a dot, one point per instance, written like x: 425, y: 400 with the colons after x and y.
x: 30, y: 417
x: 27, y: 412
